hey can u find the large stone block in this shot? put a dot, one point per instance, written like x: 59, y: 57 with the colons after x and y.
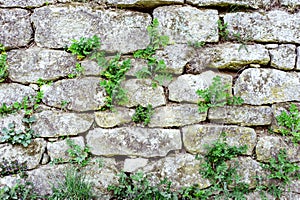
x: 243, y: 3
x: 197, y: 137
x: 272, y: 26
x: 119, y: 30
x: 15, y: 28
x: 25, y: 4
x: 14, y: 92
x: 27, y: 66
x: 133, y: 141
x: 185, y: 23
x: 143, y: 3
x: 108, y: 119
x: 81, y: 94
x: 265, y: 86
x: 283, y: 57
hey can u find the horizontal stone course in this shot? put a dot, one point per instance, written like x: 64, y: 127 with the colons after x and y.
x: 25, y: 3
x: 243, y: 3
x: 283, y: 57
x: 14, y: 92
x: 143, y: 3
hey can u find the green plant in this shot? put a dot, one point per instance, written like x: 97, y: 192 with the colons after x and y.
x: 114, y: 74
x: 41, y: 82
x: 143, y: 114
x: 73, y: 187
x: 196, y: 44
x: 290, y: 123
x: 64, y: 104
x: 13, y: 136
x: 12, y: 167
x: 77, y: 72
x: 241, y: 40
x: 156, y: 69
x: 217, y: 95
x: 20, y: 191
x: 3, y: 64
x: 84, y: 47
x: 223, y: 31
x: 138, y: 187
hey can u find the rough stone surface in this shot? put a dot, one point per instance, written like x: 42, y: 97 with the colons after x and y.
x: 15, y: 28
x: 290, y: 3
x: 133, y: 141
x: 272, y: 26
x: 24, y: 4
x: 29, y: 65
x: 197, y: 137
x: 57, y: 123
x: 246, y: 3
x: 119, y: 30
x: 141, y: 92
x: 91, y: 68
x: 131, y: 165
x: 59, y: 149
x: 298, y: 59
x: 183, y: 89
x: 183, y: 24
x: 15, y: 118
x: 264, y: 86
x: 82, y: 94
x: 108, y: 119
x: 243, y: 115
x: 14, y: 92
x: 229, y: 56
x: 31, y: 154
x: 143, y: 3
x: 269, y: 146
x: 176, y: 115
x: 284, y: 57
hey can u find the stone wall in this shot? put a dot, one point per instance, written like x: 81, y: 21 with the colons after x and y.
x: 262, y: 66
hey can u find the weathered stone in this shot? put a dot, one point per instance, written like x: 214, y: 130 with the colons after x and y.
x: 141, y: 92
x: 290, y: 3
x: 108, y: 119
x: 81, y: 94
x: 13, y: 92
x: 45, y: 159
x: 136, y: 65
x: 15, y: 26
x: 29, y: 65
x: 58, y: 123
x: 183, y: 89
x: 16, y: 119
x: 24, y: 4
x: 119, y: 30
x: 91, y: 68
x: 273, y: 26
x: 243, y: 115
x: 176, y: 115
x: 143, y: 3
x: 245, y: 3
x: 294, y: 186
x: 269, y: 146
x: 258, y: 196
x: 265, y: 86
x: 31, y: 154
x: 197, y: 137
x: 131, y: 165
x: 133, y: 141
x: 298, y: 59
x: 9, y: 181
x: 59, y: 149
x: 185, y: 23
x: 271, y: 46
x: 290, y: 196
x: 181, y: 169
x: 229, y: 56
x: 284, y: 57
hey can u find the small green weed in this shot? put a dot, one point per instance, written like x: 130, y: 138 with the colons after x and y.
x: 84, y: 47
x: 223, y: 31
x: 290, y: 123
x: 156, y: 69
x: 20, y: 191
x: 73, y: 187
x: 217, y: 95
x: 77, y: 72
x: 196, y: 44
x: 3, y: 64
x: 41, y: 82
x: 12, y: 167
x: 143, y: 114
x: 64, y: 104
x: 241, y: 40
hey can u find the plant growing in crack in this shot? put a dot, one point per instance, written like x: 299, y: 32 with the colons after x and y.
x: 143, y: 114
x: 3, y: 64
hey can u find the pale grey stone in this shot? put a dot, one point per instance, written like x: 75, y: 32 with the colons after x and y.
x: 15, y: 26
x: 108, y: 119
x: 15, y: 118
x: 272, y: 26
x: 229, y: 56
x: 271, y: 46
x: 57, y: 150
x: 243, y: 115
x: 176, y: 115
x: 136, y: 65
x: 32, y: 154
x: 25, y: 3
x: 265, y: 86
x: 245, y: 3
x: 284, y: 57
x: 120, y: 30
x: 131, y: 165
x: 197, y: 137
x: 133, y: 141
x: 14, y: 92
x: 141, y: 92
x: 290, y: 196
x: 58, y: 123
x: 27, y: 66
x: 290, y: 3
x: 9, y: 181
x: 185, y: 23
x: 183, y: 89
x: 82, y: 94
x: 294, y: 186
x: 45, y: 159
x: 143, y: 3
x: 91, y: 68
x: 257, y: 196
x: 268, y: 147
x: 298, y: 59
